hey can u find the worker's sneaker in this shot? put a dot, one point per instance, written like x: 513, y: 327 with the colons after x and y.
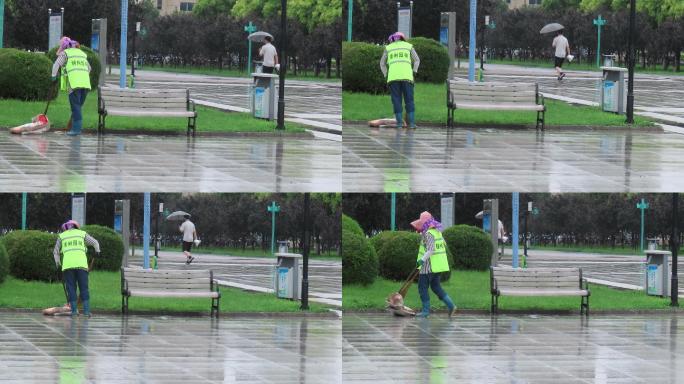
x: 452, y: 311
x: 73, y: 133
x: 422, y: 314
x: 562, y: 76
x: 88, y: 315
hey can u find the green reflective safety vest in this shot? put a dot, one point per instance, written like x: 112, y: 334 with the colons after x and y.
x: 76, y: 70
x: 73, y: 249
x: 399, y: 61
x: 438, y: 261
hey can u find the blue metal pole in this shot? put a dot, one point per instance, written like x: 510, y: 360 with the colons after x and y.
x: 350, y: 13
x: 2, y: 20
x: 24, y: 198
x: 471, y: 47
x: 124, y: 42
x: 146, y: 230
x: 514, y: 235
x: 393, y: 218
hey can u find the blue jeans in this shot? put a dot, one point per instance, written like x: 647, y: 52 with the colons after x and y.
x: 75, y: 276
x: 399, y: 89
x: 431, y: 280
x: 77, y: 99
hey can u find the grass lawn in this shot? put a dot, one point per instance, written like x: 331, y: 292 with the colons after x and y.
x: 589, y: 249
x: 431, y: 107
x: 105, y: 294
x: 17, y: 112
x: 470, y: 290
x: 574, y: 66
x: 247, y: 252
x: 235, y: 73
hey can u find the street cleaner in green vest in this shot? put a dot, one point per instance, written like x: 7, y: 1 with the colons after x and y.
x: 403, y: 62
x: 75, y: 79
x: 432, y: 261
x: 72, y: 246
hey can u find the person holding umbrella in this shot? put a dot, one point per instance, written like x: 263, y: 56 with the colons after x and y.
x: 560, y: 43
x: 72, y: 246
x: 189, y: 238
x: 270, y: 55
x: 431, y: 261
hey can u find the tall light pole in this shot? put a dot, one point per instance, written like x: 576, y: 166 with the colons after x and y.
x: 514, y: 234
x: 146, y: 230
x: 283, y: 64
x: 2, y: 20
x: 249, y: 28
x: 643, y: 205
x: 273, y: 208
x: 123, y: 44
x: 350, y: 14
x: 24, y: 203
x: 630, y: 48
x: 674, y: 247
x: 393, y: 212
x: 305, y: 254
x: 471, y: 44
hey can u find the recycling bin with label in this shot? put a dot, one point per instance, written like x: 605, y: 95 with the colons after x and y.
x: 288, y: 279
x: 614, y: 90
x: 657, y: 279
x: 263, y: 96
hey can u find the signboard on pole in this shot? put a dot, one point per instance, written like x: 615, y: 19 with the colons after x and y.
x: 55, y: 28
x: 78, y: 208
x: 447, y: 211
x: 404, y: 15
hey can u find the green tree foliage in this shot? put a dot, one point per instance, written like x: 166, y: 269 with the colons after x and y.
x: 309, y: 12
x: 213, y: 8
x: 349, y: 224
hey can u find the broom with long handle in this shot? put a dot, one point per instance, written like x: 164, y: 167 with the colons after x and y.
x: 404, y: 288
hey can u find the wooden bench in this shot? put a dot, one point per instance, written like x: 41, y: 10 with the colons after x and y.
x: 138, y: 102
x: 507, y: 281
x: 169, y: 283
x: 494, y: 96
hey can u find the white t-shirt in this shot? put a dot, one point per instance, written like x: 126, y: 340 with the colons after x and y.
x: 561, y: 44
x: 269, y: 53
x: 188, y: 228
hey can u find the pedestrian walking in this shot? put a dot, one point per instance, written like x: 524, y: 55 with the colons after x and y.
x: 432, y: 261
x: 562, y: 46
x: 70, y: 253
x: 270, y: 55
x: 75, y: 79
x: 403, y: 62
x: 189, y: 238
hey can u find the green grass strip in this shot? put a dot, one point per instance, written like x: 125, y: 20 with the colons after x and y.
x: 471, y: 290
x: 431, y: 107
x: 17, y: 112
x: 105, y: 294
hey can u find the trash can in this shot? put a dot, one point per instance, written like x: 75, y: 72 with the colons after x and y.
x: 614, y: 90
x: 288, y: 279
x: 263, y: 96
x: 609, y: 60
x: 657, y: 279
x: 282, y: 246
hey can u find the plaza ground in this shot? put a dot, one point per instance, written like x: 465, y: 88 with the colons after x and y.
x: 380, y: 348
x: 115, y: 349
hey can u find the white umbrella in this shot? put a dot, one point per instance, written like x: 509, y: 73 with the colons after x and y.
x: 553, y: 27
x: 178, y: 215
x: 258, y: 37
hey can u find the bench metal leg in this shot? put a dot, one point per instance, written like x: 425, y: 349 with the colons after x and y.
x: 495, y: 304
x: 584, y: 306
x: 192, y: 125
x: 540, y: 119
x: 124, y: 304
x: 215, y: 307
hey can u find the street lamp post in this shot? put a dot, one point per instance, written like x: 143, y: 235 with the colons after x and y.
x: 471, y: 44
x: 630, y: 64
x: 249, y: 28
x: 24, y: 203
x: 2, y: 21
x: 674, y: 247
x: 283, y: 64
x: 350, y: 14
x: 599, y: 22
x: 123, y: 44
x: 643, y: 205
x: 393, y: 212
x: 305, y: 254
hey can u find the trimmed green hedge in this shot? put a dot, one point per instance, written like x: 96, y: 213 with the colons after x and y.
x: 24, y: 75
x: 434, y: 60
x: 379, y: 240
x: 470, y: 246
x: 4, y: 263
x: 93, y: 59
x: 351, y: 225
x: 359, y: 262
x: 111, y: 246
x: 30, y: 254
x: 362, y: 68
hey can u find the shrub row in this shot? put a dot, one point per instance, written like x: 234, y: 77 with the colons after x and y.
x: 359, y: 261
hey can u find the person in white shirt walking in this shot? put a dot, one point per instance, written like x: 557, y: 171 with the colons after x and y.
x: 189, y: 238
x: 270, y: 55
x: 560, y: 43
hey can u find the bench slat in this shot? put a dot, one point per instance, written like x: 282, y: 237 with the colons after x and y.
x: 534, y: 270
x: 536, y: 275
x: 140, y: 91
x: 151, y: 99
x: 545, y: 292
x: 176, y: 293
x: 540, y: 285
x: 169, y: 278
x: 170, y: 287
x: 145, y: 105
x: 150, y: 112
x: 499, y: 106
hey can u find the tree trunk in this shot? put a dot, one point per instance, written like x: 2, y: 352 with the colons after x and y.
x: 337, y: 61
x: 328, y: 64
x: 678, y: 60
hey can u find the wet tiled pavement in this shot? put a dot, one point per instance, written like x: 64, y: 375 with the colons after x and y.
x: 126, y: 163
x: 513, y: 349
x: 483, y: 160
x: 138, y: 349
x: 325, y: 276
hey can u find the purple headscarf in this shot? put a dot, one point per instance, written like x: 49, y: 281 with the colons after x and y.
x: 431, y: 223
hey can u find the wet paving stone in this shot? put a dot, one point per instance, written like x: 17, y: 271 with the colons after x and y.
x: 513, y: 349
x: 138, y: 349
x: 123, y: 163
x: 500, y: 160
